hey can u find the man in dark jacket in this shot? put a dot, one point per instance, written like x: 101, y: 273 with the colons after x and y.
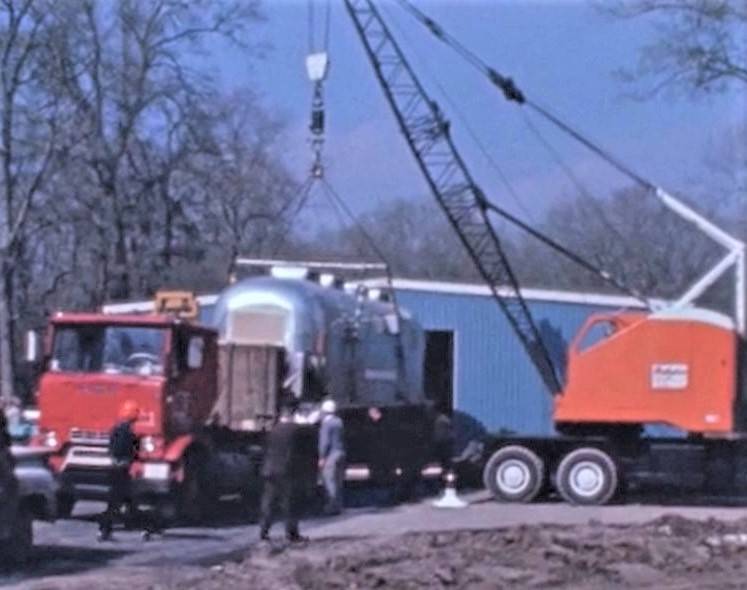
x: 123, y: 448
x: 282, y: 483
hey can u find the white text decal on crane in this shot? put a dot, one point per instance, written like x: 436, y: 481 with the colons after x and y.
x: 669, y: 376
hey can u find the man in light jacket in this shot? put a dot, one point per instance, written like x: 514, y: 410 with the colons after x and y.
x: 332, y: 456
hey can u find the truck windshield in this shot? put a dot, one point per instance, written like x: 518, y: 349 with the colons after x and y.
x: 108, y: 349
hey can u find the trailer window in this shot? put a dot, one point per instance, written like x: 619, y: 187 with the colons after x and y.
x: 108, y: 349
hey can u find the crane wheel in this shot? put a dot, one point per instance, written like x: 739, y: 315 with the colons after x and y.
x: 514, y: 474
x: 587, y: 476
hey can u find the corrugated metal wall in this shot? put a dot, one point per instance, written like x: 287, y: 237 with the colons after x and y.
x: 494, y: 382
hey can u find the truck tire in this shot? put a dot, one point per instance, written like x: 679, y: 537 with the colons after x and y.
x: 587, y: 476
x: 192, y: 495
x: 514, y: 474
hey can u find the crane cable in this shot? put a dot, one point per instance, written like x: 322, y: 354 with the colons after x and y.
x: 335, y: 198
x: 317, y: 66
x: 302, y: 196
x: 316, y: 125
x: 576, y: 181
x: 314, y: 45
x: 513, y: 93
x: 317, y: 72
x: 491, y: 161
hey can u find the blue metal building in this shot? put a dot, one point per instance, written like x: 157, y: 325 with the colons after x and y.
x: 474, y: 362
x: 493, y: 381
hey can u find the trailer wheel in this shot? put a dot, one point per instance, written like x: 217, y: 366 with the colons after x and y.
x: 587, y: 476
x: 514, y: 474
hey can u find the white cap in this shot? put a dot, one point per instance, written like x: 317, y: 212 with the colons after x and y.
x: 329, y: 406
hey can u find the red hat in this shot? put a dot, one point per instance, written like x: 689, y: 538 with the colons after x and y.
x: 129, y: 410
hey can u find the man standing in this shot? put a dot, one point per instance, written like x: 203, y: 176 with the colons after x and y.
x: 123, y: 448
x: 281, y: 463
x: 332, y: 456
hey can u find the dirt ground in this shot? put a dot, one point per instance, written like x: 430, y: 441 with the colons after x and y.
x: 669, y: 552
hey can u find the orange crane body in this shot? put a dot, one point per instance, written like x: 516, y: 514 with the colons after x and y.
x: 667, y: 368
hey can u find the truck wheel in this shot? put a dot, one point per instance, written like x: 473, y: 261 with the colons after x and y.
x: 587, y: 476
x: 17, y: 550
x: 514, y: 474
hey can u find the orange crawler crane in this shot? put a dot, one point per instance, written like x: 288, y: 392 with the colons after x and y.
x: 676, y: 365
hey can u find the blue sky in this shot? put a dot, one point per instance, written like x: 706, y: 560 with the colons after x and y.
x: 561, y: 53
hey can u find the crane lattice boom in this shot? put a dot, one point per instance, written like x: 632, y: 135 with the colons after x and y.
x: 427, y: 133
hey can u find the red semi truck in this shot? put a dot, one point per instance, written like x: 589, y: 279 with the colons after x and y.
x: 169, y: 367
x: 207, y: 397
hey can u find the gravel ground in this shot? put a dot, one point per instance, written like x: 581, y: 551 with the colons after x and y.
x: 487, y: 545
x: 669, y: 552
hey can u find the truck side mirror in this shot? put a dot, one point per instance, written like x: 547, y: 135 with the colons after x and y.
x: 32, y: 347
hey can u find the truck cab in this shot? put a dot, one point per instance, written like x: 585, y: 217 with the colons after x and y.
x: 92, y: 364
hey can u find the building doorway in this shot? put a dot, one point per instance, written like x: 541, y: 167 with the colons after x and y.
x: 439, y: 368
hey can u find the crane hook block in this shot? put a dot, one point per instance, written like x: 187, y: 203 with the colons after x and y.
x: 317, y: 121
x: 317, y: 66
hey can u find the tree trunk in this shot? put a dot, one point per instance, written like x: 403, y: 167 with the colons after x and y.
x: 7, y: 376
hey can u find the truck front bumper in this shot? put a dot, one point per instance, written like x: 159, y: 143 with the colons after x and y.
x: 95, y: 484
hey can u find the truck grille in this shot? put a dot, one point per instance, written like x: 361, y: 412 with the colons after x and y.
x: 79, y: 436
x: 91, y: 457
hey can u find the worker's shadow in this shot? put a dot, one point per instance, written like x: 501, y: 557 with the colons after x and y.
x: 55, y: 560
x: 224, y: 515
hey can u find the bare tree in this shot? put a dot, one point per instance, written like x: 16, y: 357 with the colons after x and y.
x: 414, y: 237
x: 630, y: 235
x: 249, y: 192
x: 122, y: 166
x: 700, y: 45
x: 29, y: 141
x: 138, y: 101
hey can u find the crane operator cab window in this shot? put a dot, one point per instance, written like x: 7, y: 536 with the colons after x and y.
x: 108, y: 349
x: 596, y: 333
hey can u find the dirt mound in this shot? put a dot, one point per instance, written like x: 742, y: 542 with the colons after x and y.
x: 670, y: 552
